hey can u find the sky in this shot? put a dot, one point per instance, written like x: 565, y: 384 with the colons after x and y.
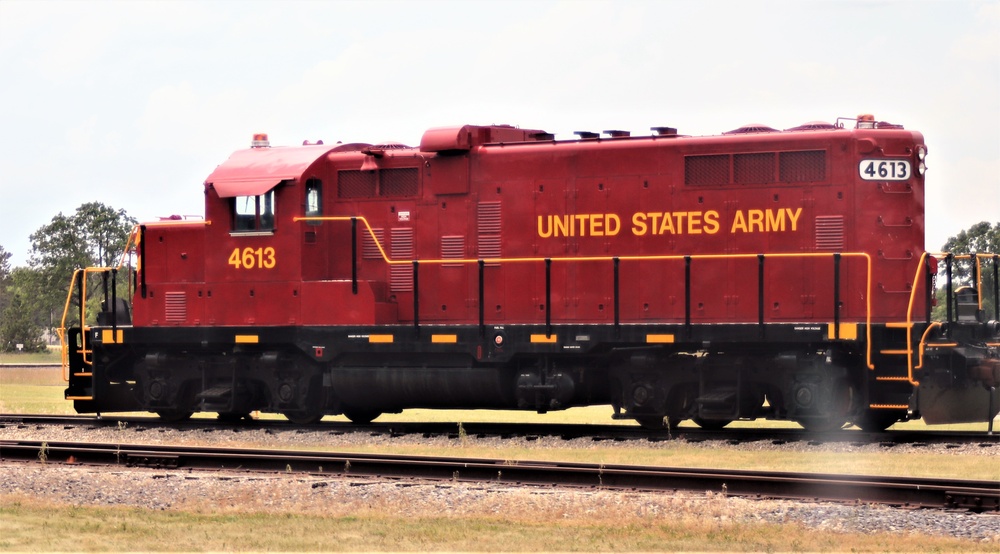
x: 133, y: 104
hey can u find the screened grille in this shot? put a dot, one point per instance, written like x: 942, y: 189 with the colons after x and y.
x: 401, y: 249
x: 750, y: 169
x: 802, y: 167
x: 830, y: 232
x: 356, y: 184
x: 175, y: 307
x: 706, y: 170
x: 398, y: 182
x: 452, y: 248
x: 488, y: 220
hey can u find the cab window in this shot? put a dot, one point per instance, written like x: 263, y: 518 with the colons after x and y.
x: 254, y: 213
x: 314, y: 199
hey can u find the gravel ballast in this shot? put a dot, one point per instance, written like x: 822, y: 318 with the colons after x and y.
x: 302, y: 493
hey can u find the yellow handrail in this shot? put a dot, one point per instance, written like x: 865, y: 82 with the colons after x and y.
x: 922, y: 345
x: 133, y: 240
x: 388, y: 260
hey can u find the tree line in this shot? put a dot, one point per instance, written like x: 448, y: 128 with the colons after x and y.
x: 33, y: 298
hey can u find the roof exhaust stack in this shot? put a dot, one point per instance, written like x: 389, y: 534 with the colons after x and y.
x: 664, y: 131
x: 618, y: 134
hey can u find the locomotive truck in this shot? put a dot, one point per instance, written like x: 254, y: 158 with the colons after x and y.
x: 760, y: 273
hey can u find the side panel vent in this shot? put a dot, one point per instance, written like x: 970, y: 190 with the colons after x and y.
x: 355, y: 184
x: 452, y: 248
x: 830, y: 232
x: 753, y: 169
x: 369, y: 248
x: 398, y: 182
x: 706, y: 170
x: 401, y: 249
x: 803, y: 167
x: 489, y: 226
x: 175, y: 307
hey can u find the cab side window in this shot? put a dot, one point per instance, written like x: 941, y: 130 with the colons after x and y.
x: 254, y: 213
x: 314, y: 199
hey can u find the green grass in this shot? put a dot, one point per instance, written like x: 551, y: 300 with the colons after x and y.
x: 51, y: 356
x: 31, y: 525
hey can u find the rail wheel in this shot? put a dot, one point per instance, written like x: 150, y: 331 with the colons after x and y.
x: 822, y: 424
x: 712, y: 424
x: 876, y: 421
x: 361, y: 416
x: 174, y: 416
x: 658, y: 423
x: 303, y: 417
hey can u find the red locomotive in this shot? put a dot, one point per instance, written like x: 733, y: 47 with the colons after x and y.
x: 760, y: 273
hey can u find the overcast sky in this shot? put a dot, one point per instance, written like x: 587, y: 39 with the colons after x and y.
x: 133, y: 104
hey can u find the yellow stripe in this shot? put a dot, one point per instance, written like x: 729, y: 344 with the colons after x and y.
x: 892, y: 378
x: 848, y: 331
x: 895, y: 352
x: 660, y: 339
x: 247, y: 339
x: 898, y: 325
x: 888, y: 406
x: 444, y: 338
x: 79, y: 398
x: 380, y: 338
x: 548, y: 339
x: 109, y: 337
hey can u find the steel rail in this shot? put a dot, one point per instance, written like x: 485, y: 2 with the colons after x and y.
x: 567, y: 431
x: 977, y: 496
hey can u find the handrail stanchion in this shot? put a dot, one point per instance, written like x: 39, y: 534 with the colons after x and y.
x: 687, y: 295
x: 836, y: 296
x: 354, y: 255
x: 482, y: 298
x: 618, y: 329
x: 760, y: 293
x: 416, y: 298
x: 548, y: 297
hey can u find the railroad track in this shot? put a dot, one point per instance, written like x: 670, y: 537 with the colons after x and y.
x: 598, y: 433
x: 976, y: 496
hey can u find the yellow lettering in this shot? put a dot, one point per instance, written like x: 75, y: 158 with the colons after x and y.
x: 775, y: 220
x: 694, y: 223
x: 794, y: 217
x: 667, y: 226
x: 596, y: 225
x: 638, y: 224
x: 739, y: 223
x: 711, y: 222
x: 561, y: 226
x: 612, y: 230
x: 545, y: 232
x: 680, y: 220
x: 755, y: 218
x: 582, y: 218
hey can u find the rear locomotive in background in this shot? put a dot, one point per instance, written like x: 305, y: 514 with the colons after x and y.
x: 757, y: 274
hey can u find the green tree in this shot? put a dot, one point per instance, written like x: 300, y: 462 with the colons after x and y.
x: 4, y: 277
x: 20, y: 320
x: 94, y: 236
x: 981, y: 238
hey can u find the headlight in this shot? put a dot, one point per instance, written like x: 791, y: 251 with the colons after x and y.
x: 921, y: 168
x: 921, y: 152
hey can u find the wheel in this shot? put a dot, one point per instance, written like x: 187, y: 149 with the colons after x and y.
x: 822, y: 424
x: 232, y: 417
x: 174, y: 416
x: 360, y: 416
x: 876, y: 421
x: 652, y: 423
x: 303, y: 418
x: 712, y: 424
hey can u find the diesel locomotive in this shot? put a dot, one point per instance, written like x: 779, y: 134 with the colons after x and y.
x: 760, y: 273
